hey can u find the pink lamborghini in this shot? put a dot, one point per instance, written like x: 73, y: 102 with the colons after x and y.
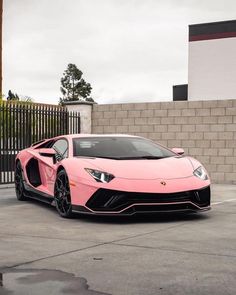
x: 111, y: 175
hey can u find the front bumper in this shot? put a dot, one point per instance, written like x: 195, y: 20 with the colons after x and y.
x: 113, y: 202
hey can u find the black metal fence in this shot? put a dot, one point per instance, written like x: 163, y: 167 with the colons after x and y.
x: 21, y: 124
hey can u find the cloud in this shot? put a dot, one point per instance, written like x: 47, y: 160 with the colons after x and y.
x: 129, y: 50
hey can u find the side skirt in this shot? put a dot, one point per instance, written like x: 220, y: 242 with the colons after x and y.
x: 35, y: 194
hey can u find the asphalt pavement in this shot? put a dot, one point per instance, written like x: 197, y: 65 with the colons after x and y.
x: 42, y: 253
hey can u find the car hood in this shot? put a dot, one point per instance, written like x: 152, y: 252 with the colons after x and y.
x: 167, y: 168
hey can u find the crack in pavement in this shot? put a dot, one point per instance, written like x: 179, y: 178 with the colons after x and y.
x: 53, y: 256
x: 225, y: 212
x: 74, y: 240
x: 222, y: 202
x: 176, y: 250
x: 90, y: 247
x: 42, y: 237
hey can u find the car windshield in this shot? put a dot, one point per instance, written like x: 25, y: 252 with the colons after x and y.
x: 120, y: 148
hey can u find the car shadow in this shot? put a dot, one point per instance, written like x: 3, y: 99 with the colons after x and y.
x: 167, y: 217
x: 143, y: 218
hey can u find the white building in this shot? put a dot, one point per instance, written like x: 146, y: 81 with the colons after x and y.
x: 212, y: 61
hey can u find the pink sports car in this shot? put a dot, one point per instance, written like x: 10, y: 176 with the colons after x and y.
x: 111, y: 175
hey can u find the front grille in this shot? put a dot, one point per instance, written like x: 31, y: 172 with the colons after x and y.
x: 111, y: 200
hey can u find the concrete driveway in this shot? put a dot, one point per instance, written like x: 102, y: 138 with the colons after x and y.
x: 41, y: 253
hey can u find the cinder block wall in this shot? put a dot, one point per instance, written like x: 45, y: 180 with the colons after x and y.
x: 205, y: 129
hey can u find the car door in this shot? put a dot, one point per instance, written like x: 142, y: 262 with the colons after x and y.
x: 49, y: 167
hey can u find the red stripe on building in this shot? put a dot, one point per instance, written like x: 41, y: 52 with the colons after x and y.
x: 212, y: 36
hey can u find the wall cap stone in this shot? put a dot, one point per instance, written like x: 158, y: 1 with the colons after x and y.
x: 77, y: 102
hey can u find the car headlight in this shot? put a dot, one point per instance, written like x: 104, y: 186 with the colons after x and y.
x: 100, y: 176
x: 201, y: 173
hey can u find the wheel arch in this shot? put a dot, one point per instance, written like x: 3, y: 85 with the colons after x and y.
x: 59, y: 203
x: 60, y: 168
x: 17, y: 160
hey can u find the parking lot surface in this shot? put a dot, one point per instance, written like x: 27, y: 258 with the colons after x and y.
x: 42, y: 253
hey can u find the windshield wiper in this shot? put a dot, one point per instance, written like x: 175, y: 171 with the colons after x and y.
x: 124, y: 158
x: 140, y: 157
x: 152, y: 157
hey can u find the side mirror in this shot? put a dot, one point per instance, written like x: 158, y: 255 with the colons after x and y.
x: 51, y: 153
x: 178, y: 151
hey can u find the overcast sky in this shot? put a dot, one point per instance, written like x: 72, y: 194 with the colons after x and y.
x: 129, y: 50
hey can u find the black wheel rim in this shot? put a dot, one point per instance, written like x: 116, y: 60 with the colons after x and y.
x: 62, y: 194
x: 19, y: 181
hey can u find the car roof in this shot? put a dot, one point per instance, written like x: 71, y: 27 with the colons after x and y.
x: 95, y: 135
x: 79, y: 135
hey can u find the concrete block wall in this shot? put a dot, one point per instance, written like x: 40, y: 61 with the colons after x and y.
x: 205, y: 129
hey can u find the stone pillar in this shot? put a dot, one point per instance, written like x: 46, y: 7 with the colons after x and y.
x: 85, y: 110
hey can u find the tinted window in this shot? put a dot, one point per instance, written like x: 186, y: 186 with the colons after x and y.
x: 119, y: 148
x: 61, y: 146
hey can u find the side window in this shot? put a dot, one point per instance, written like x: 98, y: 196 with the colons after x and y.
x: 61, y: 146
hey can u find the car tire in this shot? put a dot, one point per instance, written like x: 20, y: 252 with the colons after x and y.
x: 62, y: 195
x: 19, y: 183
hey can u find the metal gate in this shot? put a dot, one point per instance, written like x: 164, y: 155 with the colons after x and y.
x: 21, y: 124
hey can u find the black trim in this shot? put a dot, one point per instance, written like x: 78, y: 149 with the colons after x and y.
x: 46, y: 144
x: 38, y: 142
x: 115, y: 201
x: 180, y: 92
x: 38, y: 195
x: 139, y: 209
x: 80, y: 209
x: 212, y: 28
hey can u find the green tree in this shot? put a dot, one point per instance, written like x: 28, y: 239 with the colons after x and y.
x: 8, y: 117
x: 73, y: 86
x: 26, y: 99
x: 12, y: 96
x: 15, y: 97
